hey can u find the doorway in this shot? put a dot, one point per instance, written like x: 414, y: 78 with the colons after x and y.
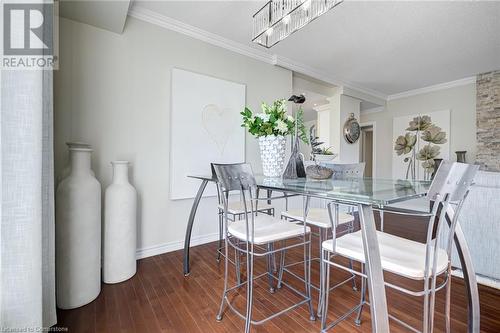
x: 367, y: 149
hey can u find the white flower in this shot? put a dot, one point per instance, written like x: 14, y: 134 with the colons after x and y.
x: 290, y: 118
x: 263, y: 116
x: 281, y: 126
x: 281, y: 105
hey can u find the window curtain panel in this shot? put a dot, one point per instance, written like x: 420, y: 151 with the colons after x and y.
x: 27, y: 260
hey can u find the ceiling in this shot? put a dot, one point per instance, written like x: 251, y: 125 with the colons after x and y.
x: 109, y: 15
x: 387, y: 47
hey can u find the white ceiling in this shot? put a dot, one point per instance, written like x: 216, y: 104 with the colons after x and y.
x: 105, y: 14
x: 389, y: 47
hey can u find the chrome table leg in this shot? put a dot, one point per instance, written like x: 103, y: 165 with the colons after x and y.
x: 187, y: 239
x: 307, y: 259
x: 373, y: 266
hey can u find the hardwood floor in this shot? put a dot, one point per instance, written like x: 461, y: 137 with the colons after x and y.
x: 160, y: 299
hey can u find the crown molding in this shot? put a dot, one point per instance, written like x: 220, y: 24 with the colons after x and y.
x: 166, y: 22
x: 324, y: 107
x: 436, y: 87
x: 317, y: 74
x: 373, y: 110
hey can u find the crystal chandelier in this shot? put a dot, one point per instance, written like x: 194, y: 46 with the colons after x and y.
x: 280, y: 18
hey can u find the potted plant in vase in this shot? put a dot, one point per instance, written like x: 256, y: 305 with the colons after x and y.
x: 324, y: 155
x: 271, y: 127
x: 319, y: 153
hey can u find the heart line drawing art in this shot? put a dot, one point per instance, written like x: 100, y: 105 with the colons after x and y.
x: 219, y: 123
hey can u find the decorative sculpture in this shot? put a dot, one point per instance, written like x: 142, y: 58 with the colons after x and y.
x: 295, y: 167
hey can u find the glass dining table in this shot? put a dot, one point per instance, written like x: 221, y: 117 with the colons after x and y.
x: 366, y: 194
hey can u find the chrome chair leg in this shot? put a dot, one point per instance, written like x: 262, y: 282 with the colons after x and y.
x: 226, y: 262
x: 307, y: 277
x: 237, y: 265
x: 326, y: 288
x: 282, y: 265
x: 269, y: 259
x: 425, y: 325
x: 248, y: 315
x: 354, y: 285
x: 219, y: 244
x: 432, y: 301
x: 275, y: 267
x: 447, y: 310
x: 357, y: 321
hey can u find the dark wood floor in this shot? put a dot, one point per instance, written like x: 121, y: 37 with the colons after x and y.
x: 160, y: 299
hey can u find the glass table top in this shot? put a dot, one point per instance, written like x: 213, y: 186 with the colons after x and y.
x: 370, y: 191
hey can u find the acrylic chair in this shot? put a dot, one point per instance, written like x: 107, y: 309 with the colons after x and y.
x: 256, y: 235
x: 429, y: 263
x: 319, y: 218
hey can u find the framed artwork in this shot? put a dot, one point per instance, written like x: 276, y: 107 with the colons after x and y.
x: 418, y: 140
x: 205, y: 128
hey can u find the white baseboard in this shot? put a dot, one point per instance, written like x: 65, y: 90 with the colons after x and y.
x: 174, y: 246
x: 481, y: 279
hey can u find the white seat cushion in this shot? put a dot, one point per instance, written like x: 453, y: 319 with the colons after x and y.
x: 237, y: 207
x: 316, y: 216
x: 267, y: 229
x: 398, y: 255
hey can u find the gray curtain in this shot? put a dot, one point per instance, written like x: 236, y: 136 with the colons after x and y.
x: 27, y: 285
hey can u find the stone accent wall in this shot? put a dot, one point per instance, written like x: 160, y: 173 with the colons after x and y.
x: 488, y: 120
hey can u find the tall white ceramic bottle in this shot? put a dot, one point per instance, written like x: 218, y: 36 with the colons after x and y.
x: 78, y: 233
x: 67, y: 168
x: 120, y: 229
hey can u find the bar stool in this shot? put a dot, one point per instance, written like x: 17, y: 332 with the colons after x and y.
x: 319, y: 218
x: 235, y: 211
x: 255, y: 234
x: 406, y: 258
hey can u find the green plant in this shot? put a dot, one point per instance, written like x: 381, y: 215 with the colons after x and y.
x: 274, y: 120
x: 301, y: 127
x: 314, y: 140
x: 325, y: 151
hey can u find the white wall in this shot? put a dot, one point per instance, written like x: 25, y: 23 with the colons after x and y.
x: 341, y: 106
x: 349, y: 152
x: 460, y: 100
x: 113, y: 91
x: 323, y: 124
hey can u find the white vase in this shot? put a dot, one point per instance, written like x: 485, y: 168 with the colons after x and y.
x: 120, y: 230
x: 67, y: 168
x: 272, y: 154
x: 78, y: 234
